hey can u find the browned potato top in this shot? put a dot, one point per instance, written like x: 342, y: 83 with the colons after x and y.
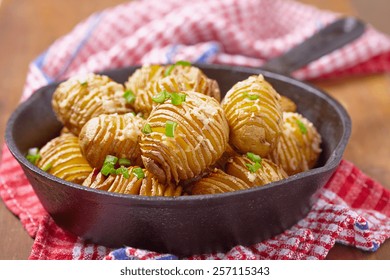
x: 79, y: 99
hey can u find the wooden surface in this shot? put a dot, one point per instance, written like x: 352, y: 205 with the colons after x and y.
x: 29, y: 27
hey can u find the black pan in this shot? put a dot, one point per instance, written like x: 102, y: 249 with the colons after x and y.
x: 191, y: 224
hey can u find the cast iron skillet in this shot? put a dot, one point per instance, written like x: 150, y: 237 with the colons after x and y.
x: 190, y: 224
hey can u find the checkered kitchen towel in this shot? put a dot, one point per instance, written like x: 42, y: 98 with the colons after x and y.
x: 352, y: 208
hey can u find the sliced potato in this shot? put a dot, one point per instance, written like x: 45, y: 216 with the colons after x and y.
x: 253, y: 110
x: 62, y: 158
x: 115, y: 135
x: 183, y: 140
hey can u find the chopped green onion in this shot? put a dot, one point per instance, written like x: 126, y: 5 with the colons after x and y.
x: 170, y: 127
x: 146, y: 129
x: 253, y: 167
x: 108, y: 169
x: 84, y: 83
x: 253, y: 157
x: 169, y: 70
x: 109, y: 165
x: 251, y: 96
x: 180, y: 62
x: 133, y: 113
x: 161, y: 97
x: 301, y: 126
x: 138, y: 172
x: 33, y: 155
x: 47, y: 167
x: 123, y: 171
x: 110, y: 160
x: 183, y: 63
x: 129, y: 96
x: 124, y: 162
x: 178, y: 98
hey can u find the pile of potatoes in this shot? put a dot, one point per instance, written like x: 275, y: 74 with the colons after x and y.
x: 166, y: 132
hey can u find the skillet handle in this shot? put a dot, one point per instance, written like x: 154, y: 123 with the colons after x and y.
x: 328, y: 39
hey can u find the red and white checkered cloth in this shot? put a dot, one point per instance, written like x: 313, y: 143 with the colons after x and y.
x: 352, y: 208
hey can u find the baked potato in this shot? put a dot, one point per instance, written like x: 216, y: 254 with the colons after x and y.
x: 254, y: 114
x: 245, y: 168
x: 217, y: 182
x: 135, y: 181
x: 62, y: 158
x: 180, y: 141
x: 113, y: 134
x: 299, y: 146
x: 78, y: 99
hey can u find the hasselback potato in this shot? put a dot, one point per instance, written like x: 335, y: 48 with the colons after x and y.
x: 254, y: 113
x: 244, y: 168
x: 217, y: 182
x: 79, y: 99
x: 180, y: 141
x: 151, y: 80
x: 299, y: 146
x: 135, y: 184
x: 62, y: 157
x: 113, y: 134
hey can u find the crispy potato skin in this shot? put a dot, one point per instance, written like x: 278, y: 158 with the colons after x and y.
x: 299, y: 147
x: 64, y: 155
x: 147, y: 186
x: 148, y: 81
x: 218, y: 182
x: 115, y: 135
x: 268, y: 173
x: 79, y: 99
x: 254, y: 113
x: 200, y: 138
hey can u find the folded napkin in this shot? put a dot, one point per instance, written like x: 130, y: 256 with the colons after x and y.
x: 351, y: 209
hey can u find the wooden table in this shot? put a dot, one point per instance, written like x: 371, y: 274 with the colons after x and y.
x: 29, y: 27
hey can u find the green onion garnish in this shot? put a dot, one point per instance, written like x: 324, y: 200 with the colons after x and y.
x: 33, y: 155
x: 138, y: 172
x: 251, y: 96
x: 253, y: 157
x: 169, y: 70
x: 170, y: 127
x: 110, y: 160
x: 301, y: 126
x: 109, y: 165
x: 123, y: 171
x: 161, y: 97
x: 47, y: 167
x: 146, y: 129
x: 124, y: 162
x: 253, y: 167
x: 183, y: 63
x: 178, y: 98
x: 180, y: 62
x: 84, y: 83
x: 108, y: 169
x: 129, y: 96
